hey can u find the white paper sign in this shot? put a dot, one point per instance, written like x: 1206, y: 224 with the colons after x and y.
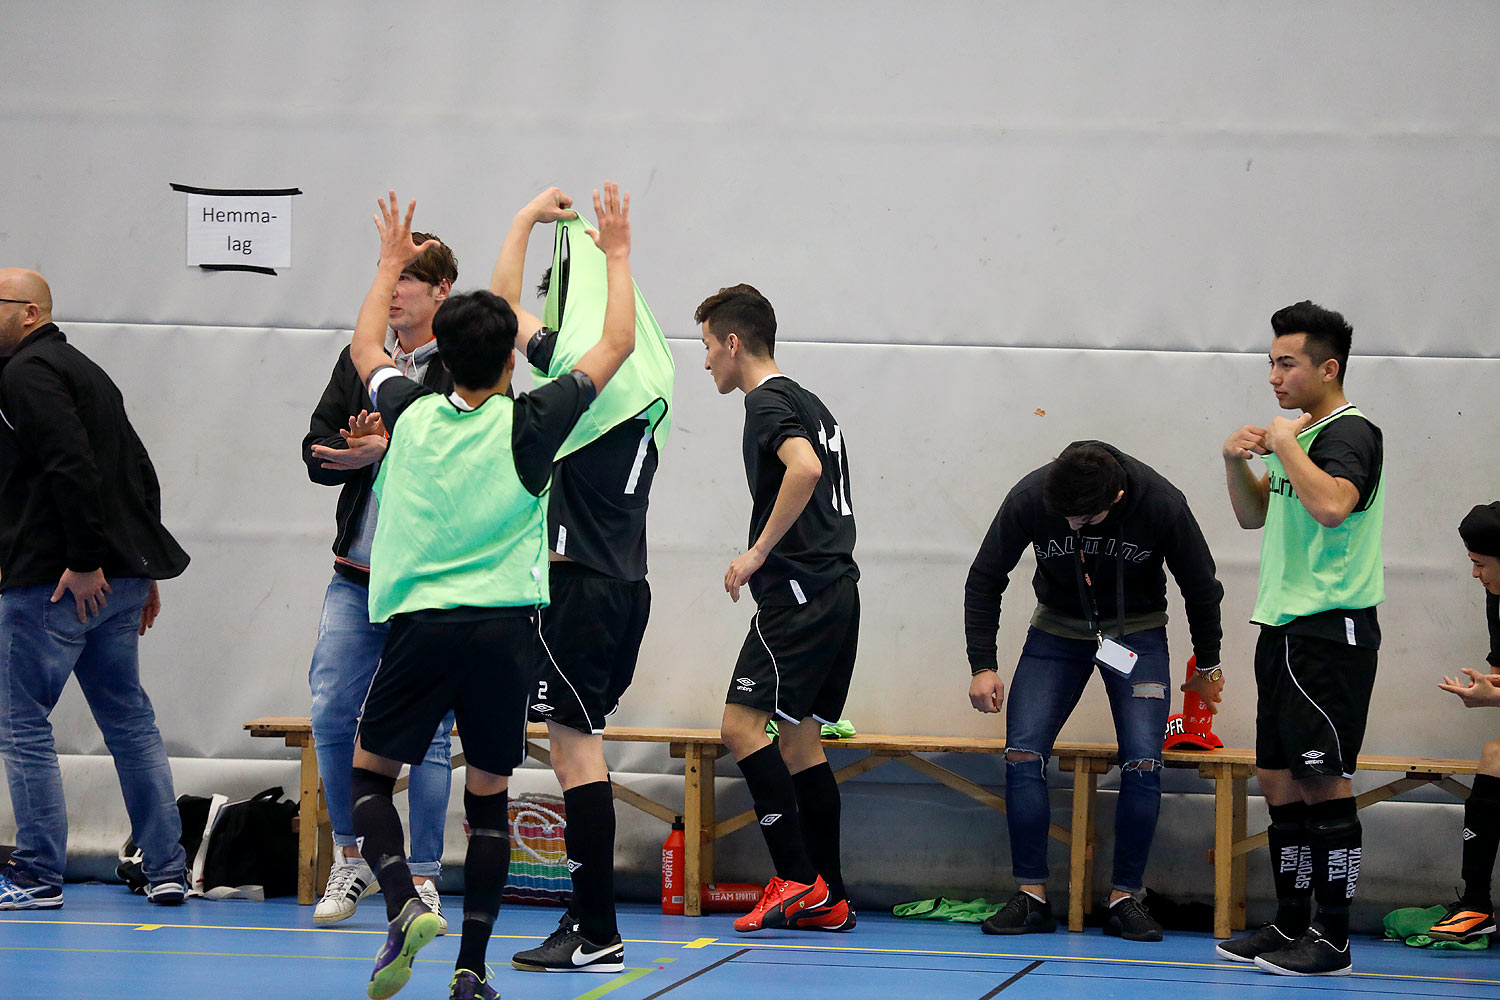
x: 255, y: 231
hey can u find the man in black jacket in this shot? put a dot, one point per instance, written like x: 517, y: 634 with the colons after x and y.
x: 80, y: 515
x: 1101, y: 524
x: 343, y: 447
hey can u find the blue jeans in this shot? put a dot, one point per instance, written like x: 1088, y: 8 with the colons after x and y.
x: 343, y: 663
x: 1049, y: 681
x: 41, y: 644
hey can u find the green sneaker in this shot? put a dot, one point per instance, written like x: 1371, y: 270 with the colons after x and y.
x: 414, y: 927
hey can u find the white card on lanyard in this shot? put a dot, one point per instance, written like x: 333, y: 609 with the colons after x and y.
x: 1117, y: 656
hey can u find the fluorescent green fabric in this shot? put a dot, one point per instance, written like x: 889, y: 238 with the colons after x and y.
x: 840, y: 730
x: 456, y: 526
x: 575, y: 309
x: 976, y: 911
x: 1411, y: 924
x: 1306, y: 568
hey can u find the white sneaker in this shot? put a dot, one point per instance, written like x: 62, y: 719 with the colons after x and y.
x: 428, y: 893
x: 347, y: 885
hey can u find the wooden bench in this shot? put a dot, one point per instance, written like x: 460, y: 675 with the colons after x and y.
x: 700, y: 749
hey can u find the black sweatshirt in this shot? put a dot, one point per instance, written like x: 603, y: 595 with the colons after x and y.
x: 345, y: 397
x: 1492, y: 615
x: 1150, y: 525
x: 77, y: 489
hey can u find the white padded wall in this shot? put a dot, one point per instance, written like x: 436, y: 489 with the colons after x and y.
x: 964, y: 213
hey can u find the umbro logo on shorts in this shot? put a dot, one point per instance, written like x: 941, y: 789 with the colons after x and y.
x: 1469, y: 834
x: 541, y: 707
x: 1313, y: 756
x: 573, y: 866
x: 745, y: 683
x: 769, y: 818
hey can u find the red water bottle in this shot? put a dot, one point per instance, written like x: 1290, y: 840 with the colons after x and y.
x: 673, y: 852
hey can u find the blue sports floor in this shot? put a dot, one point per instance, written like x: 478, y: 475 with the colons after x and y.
x: 105, y: 943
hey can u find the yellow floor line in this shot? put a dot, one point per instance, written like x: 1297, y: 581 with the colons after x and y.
x: 768, y: 945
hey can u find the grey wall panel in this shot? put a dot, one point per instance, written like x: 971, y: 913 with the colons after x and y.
x: 965, y: 213
x: 937, y: 435
x: 1154, y: 176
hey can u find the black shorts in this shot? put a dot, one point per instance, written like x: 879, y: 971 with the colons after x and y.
x: 1312, y: 702
x: 798, y: 659
x: 592, y: 635
x: 478, y: 662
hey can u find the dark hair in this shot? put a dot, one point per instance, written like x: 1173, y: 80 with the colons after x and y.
x: 435, y: 265
x: 1084, y: 480
x: 476, y: 335
x: 744, y: 312
x: 1328, y: 334
x: 543, y: 286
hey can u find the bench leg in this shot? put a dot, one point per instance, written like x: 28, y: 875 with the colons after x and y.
x: 1080, y: 847
x: 698, y: 823
x: 1224, y: 809
x: 307, y: 828
x: 1237, y: 869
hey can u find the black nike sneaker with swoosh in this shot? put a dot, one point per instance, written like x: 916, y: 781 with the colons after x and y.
x: 567, y: 950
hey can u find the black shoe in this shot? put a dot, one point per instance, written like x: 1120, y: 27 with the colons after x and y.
x: 566, y: 950
x: 1128, y: 919
x: 1023, y: 914
x: 1312, y: 954
x: 1246, y: 947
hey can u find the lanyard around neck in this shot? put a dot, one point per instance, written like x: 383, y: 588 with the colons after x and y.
x: 1086, y: 587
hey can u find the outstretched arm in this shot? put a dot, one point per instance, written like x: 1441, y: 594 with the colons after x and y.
x: 507, y: 278
x: 397, y: 250
x: 618, y: 339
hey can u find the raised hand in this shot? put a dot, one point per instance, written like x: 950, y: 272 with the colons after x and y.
x: 396, y: 246
x: 1283, y: 432
x: 1246, y: 443
x: 550, y: 206
x: 364, y: 425
x: 613, y: 235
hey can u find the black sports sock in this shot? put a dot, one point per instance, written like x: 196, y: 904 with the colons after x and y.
x: 1481, y: 838
x: 590, y: 836
x: 1291, y: 866
x: 486, y: 864
x: 819, y: 808
x: 382, y: 841
x: 1335, y: 836
x: 775, y: 796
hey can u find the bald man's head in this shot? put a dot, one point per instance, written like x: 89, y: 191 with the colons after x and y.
x: 25, y: 304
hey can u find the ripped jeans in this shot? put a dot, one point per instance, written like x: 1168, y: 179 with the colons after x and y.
x: 1048, y: 682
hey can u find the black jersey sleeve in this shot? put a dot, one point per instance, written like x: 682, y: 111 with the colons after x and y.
x: 1351, y: 448
x: 988, y: 577
x: 541, y: 348
x: 393, y: 394
x: 542, y: 421
x: 771, y: 420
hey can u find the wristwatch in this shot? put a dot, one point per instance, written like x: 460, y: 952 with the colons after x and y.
x: 1214, y: 674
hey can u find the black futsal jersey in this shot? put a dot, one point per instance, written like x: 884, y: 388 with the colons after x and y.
x: 819, y: 547
x: 596, y: 512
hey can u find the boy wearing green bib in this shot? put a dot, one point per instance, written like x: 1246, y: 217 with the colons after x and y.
x: 459, y: 568
x: 1321, y: 503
